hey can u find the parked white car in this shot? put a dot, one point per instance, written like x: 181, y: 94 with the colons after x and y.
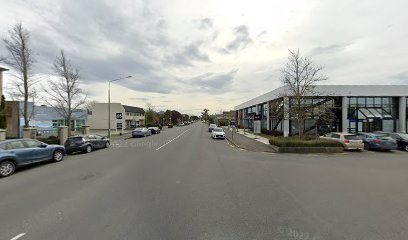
x: 348, y: 140
x: 218, y: 133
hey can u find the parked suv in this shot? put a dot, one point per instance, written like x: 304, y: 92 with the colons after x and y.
x: 20, y: 152
x: 85, y: 143
x: 349, y: 141
x: 401, y: 138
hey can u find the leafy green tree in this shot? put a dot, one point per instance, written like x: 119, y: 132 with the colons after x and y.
x: 151, y: 116
x: 194, y: 118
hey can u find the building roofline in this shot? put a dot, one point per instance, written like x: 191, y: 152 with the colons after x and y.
x: 334, y: 90
x: 2, y: 69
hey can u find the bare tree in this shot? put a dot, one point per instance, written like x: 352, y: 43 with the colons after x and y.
x: 21, y: 59
x: 64, y: 93
x: 88, y: 105
x: 300, y: 76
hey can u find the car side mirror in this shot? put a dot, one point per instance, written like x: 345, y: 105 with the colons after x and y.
x: 43, y: 145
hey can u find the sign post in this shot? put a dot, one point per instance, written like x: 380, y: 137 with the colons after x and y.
x: 119, y: 122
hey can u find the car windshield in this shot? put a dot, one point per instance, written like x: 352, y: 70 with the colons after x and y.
x: 218, y: 130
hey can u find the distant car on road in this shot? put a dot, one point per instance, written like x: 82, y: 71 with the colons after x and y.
x: 348, y: 140
x: 401, y: 138
x: 20, y: 152
x: 141, y: 132
x: 218, y: 133
x: 376, y: 141
x: 154, y: 130
x: 211, y: 127
x: 85, y: 143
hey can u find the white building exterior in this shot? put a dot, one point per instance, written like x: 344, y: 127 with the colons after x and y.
x: 363, y: 107
x: 98, y: 118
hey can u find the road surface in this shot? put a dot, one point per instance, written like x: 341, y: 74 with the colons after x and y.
x: 181, y: 184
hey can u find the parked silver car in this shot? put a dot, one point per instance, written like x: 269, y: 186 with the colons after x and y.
x: 348, y: 140
x: 141, y: 132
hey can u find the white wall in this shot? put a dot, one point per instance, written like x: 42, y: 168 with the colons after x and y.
x: 99, y: 117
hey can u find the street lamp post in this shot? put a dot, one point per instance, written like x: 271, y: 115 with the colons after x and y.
x: 109, y: 104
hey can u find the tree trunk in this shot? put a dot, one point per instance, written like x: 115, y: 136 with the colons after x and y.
x: 26, y: 118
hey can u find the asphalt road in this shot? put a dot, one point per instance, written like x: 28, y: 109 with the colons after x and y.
x: 181, y: 184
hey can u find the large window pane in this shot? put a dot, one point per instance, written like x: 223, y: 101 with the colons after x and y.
x: 388, y: 125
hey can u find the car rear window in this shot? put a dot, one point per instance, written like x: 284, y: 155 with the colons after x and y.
x: 351, y: 137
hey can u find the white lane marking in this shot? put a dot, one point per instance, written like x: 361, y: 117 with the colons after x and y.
x: 18, y: 236
x: 172, y: 140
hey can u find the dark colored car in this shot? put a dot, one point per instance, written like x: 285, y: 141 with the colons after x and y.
x: 211, y: 127
x: 154, y: 130
x: 85, y: 143
x: 20, y: 152
x: 377, y: 141
x: 401, y: 138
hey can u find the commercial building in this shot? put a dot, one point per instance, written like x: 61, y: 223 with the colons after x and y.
x: 44, y: 118
x: 353, y: 108
x: 131, y: 116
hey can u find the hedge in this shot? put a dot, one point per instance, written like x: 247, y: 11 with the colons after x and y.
x: 302, y: 142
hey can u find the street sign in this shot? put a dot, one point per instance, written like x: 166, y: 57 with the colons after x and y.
x: 257, y: 117
x: 119, y: 116
x: 119, y: 126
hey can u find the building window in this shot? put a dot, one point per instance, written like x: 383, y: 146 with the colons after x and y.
x: 368, y: 114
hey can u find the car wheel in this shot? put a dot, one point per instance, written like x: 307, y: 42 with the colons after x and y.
x: 107, y: 144
x: 7, y: 168
x: 88, y: 149
x: 58, y: 155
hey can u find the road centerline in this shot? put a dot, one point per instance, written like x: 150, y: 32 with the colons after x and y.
x: 18, y: 236
x: 172, y: 139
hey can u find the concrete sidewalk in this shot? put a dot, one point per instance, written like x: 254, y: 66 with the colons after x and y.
x: 250, y: 142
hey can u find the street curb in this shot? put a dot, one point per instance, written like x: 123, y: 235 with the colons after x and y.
x: 240, y: 147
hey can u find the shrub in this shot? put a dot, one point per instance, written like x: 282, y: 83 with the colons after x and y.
x: 303, y: 142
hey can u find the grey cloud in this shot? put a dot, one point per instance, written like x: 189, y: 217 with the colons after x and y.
x: 139, y: 99
x: 241, y: 40
x: 206, y: 23
x: 337, y: 47
x: 106, y: 48
x: 401, y: 77
x: 187, y: 55
x: 214, y: 82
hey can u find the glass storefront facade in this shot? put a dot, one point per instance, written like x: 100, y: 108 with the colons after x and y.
x: 321, y: 115
x: 369, y: 114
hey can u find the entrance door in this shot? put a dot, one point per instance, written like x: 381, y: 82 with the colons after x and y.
x: 372, y: 125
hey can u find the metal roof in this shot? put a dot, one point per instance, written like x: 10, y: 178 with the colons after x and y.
x: 335, y: 90
x: 133, y: 109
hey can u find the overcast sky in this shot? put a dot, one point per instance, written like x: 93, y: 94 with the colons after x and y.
x: 191, y: 54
